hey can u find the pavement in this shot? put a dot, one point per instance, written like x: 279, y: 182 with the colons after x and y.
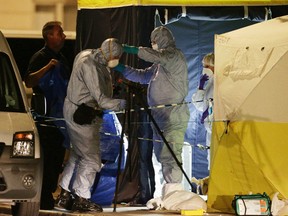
x: 107, y: 211
x: 120, y: 210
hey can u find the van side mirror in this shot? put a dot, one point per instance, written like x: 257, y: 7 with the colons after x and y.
x: 38, y: 104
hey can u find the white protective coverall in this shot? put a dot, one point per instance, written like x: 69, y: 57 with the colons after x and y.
x: 90, y: 83
x: 203, y: 101
x: 168, y: 84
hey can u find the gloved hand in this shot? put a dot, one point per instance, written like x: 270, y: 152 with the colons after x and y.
x: 123, y: 105
x: 130, y: 49
x: 204, y: 116
x: 120, y: 68
x: 203, y: 79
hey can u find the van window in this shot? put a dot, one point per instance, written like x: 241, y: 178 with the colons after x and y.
x: 10, y: 96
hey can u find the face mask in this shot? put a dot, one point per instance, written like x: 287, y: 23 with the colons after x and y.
x: 208, y: 72
x: 155, y: 46
x: 113, y: 63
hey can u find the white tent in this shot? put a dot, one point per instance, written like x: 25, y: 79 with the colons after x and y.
x: 250, y: 133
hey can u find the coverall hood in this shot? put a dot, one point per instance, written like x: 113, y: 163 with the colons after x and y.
x: 111, y: 49
x: 163, y: 37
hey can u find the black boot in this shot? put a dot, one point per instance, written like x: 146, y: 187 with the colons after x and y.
x: 64, y: 201
x: 81, y: 204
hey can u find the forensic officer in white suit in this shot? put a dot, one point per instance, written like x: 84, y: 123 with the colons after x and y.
x: 90, y: 84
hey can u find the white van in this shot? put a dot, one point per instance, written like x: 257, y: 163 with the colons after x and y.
x: 20, y: 153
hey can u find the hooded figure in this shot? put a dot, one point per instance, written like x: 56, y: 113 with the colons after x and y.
x: 168, y: 84
x: 90, y: 84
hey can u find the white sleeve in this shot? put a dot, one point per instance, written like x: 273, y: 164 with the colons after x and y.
x: 198, y: 100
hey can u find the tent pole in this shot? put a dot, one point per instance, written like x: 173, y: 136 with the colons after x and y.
x: 120, y: 159
x: 139, y: 89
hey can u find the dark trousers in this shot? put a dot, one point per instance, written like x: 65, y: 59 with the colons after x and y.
x: 53, y: 152
x: 145, y: 147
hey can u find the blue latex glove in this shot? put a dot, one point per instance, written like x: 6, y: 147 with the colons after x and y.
x: 204, y: 116
x: 203, y: 80
x: 120, y: 68
x: 130, y: 49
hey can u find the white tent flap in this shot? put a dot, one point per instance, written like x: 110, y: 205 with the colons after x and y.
x: 246, y: 61
x: 249, y: 138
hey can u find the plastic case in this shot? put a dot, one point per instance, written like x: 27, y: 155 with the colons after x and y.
x: 254, y: 204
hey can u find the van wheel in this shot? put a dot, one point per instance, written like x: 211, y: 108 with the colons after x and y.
x: 26, y: 209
